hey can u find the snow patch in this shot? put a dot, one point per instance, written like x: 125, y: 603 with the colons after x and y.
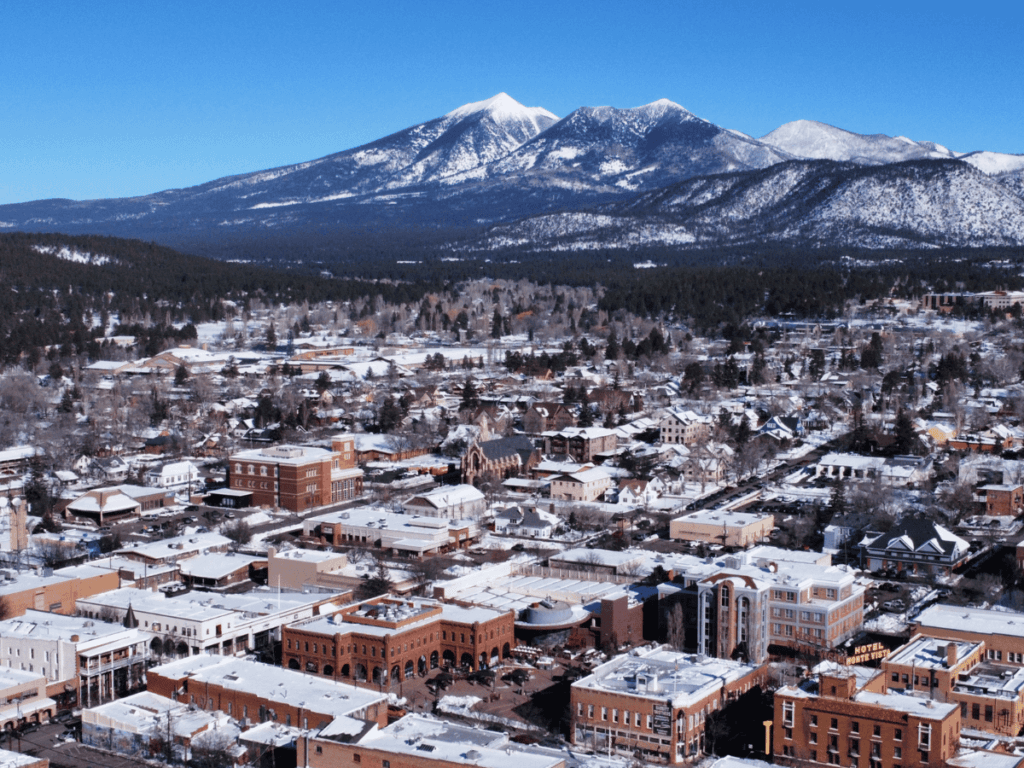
x: 74, y: 255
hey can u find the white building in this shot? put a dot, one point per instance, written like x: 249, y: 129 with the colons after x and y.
x: 177, y: 474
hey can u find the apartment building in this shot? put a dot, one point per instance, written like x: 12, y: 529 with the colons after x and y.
x: 831, y: 720
x: 739, y: 605
x: 389, y: 639
x: 580, y: 444
x: 684, y: 427
x: 298, y: 478
x: 655, y: 704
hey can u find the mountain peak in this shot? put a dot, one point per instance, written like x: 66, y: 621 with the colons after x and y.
x: 499, y: 105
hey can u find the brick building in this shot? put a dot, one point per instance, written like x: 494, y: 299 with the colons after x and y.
x: 725, y: 527
x: 390, y: 639
x: 684, y: 427
x: 298, y: 478
x: 990, y: 695
x: 1001, y: 499
x: 252, y: 692
x: 832, y: 721
x: 55, y: 591
x: 580, y: 443
x: 655, y: 703
x: 419, y: 741
x: 1002, y: 632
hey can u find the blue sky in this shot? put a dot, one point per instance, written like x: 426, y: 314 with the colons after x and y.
x: 113, y: 99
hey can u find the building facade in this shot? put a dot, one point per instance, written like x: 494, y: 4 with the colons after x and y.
x: 298, y: 478
x: 388, y: 640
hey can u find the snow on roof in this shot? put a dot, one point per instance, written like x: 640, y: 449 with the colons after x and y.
x: 982, y: 621
x: 928, y: 709
x: 217, y: 565
x: 271, y: 683
x: 449, y: 496
x: 283, y: 454
x: 426, y: 738
x: 10, y: 759
x: 659, y: 674
x: 930, y: 653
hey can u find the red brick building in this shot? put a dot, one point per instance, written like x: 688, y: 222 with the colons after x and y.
x: 655, y: 703
x: 255, y: 693
x: 389, y: 639
x: 834, y: 723
x: 298, y: 478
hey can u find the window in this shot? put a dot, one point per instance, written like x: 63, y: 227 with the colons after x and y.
x: 787, y: 713
x: 356, y: 757
x: 834, y: 724
x: 812, y: 738
x: 814, y: 721
x: 895, y: 677
x: 854, y: 727
x: 386, y: 763
x: 924, y: 736
x: 988, y: 713
x: 789, y: 733
x: 604, y: 713
x: 876, y: 731
x: 590, y: 711
x: 897, y: 753
x: 319, y: 749
x: 897, y: 735
x: 855, y: 747
x: 615, y: 715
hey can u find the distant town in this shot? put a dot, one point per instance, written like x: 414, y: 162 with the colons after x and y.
x: 506, y: 527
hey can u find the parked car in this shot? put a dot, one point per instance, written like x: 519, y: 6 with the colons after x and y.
x: 894, y: 605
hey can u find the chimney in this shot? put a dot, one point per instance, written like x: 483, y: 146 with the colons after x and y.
x: 951, y: 655
x: 271, y: 551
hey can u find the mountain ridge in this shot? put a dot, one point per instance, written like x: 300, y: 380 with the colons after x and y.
x: 493, y: 162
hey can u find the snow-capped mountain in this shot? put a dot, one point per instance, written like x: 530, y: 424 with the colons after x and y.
x: 818, y: 141
x: 615, y: 150
x: 912, y: 204
x: 668, y: 175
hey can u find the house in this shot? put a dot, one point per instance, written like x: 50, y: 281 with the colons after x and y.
x: 455, y: 502
x: 521, y: 521
x: 783, y: 428
x: 915, y: 545
x: 547, y: 417
x: 176, y: 474
x: 586, y: 485
x: 1001, y: 500
x: 102, y: 506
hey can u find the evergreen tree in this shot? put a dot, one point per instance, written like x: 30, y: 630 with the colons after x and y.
x: 612, y: 351
x: 470, y: 396
x: 271, y: 337
x: 904, y: 432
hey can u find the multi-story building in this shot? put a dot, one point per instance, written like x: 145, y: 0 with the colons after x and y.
x: 84, y: 661
x: 13, y: 524
x: 298, y: 478
x: 1002, y: 632
x: 197, y: 624
x: 1001, y: 499
x: 655, y: 703
x: 990, y: 695
x: 684, y: 427
x: 388, y: 639
x: 454, y: 502
x: 586, y: 485
x: 54, y: 591
x: 252, y: 692
x: 580, y: 443
x: 833, y: 721
x: 740, y: 605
